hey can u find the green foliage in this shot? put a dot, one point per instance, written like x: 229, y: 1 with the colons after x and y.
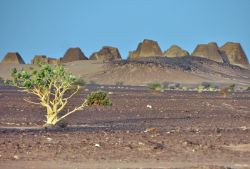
x: 212, y: 87
x: 248, y: 88
x: 205, y: 86
x: 7, y: 82
x: 42, y: 79
x: 200, y: 88
x: 155, y: 86
x: 98, y: 98
x: 1, y: 78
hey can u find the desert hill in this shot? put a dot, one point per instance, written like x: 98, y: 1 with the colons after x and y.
x: 186, y: 70
x: 182, y: 70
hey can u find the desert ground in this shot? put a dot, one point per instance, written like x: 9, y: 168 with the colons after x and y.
x: 142, y: 129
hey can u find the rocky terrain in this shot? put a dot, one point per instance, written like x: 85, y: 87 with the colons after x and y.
x: 143, y: 129
x: 186, y: 70
x: 171, y: 128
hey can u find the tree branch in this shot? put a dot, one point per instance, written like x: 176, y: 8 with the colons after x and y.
x: 84, y: 104
x: 29, y: 101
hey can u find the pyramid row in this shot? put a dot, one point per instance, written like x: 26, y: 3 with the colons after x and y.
x: 230, y: 52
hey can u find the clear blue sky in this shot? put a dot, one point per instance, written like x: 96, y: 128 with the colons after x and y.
x: 50, y: 27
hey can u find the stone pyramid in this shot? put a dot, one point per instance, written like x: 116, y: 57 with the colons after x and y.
x: 73, y: 54
x: 209, y: 51
x: 147, y: 48
x: 13, y: 58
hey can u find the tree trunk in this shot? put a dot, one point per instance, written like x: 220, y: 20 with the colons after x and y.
x: 52, y: 118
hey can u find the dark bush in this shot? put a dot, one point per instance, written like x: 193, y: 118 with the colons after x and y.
x: 98, y: 98
x: 232, y: 87
x: 155, y: 86
x: 80, y: 82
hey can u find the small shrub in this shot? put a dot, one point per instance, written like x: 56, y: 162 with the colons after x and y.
x: 174, y: 86
x: 98, y: 98
x: 80, y: 82
x: 207, y: 86
x: 248, y: 88
x: 155, y: 86
x: 1, y: 78
x: 7, y: 82
x: 165, y: 84
x: 232, y: 87
x: 119, y: 83
x: 200, y: 88
x: 184, y: 88
x: 212, y: 87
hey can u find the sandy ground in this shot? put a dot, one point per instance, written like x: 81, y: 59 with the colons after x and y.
x: 182, y: 129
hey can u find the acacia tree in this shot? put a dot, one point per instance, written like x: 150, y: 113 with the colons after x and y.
x: 51, y: 85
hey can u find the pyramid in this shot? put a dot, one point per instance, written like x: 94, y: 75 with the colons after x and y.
x: 43, y: 59
x: 208, y: 51
x: 53, y: 61
x: 73, y: 54
x: 147, y: 48
x: 107, y: 53
x: 234, y: 53
x: 175, y: 51
x: 13, y: 58
x: 40, y: 59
